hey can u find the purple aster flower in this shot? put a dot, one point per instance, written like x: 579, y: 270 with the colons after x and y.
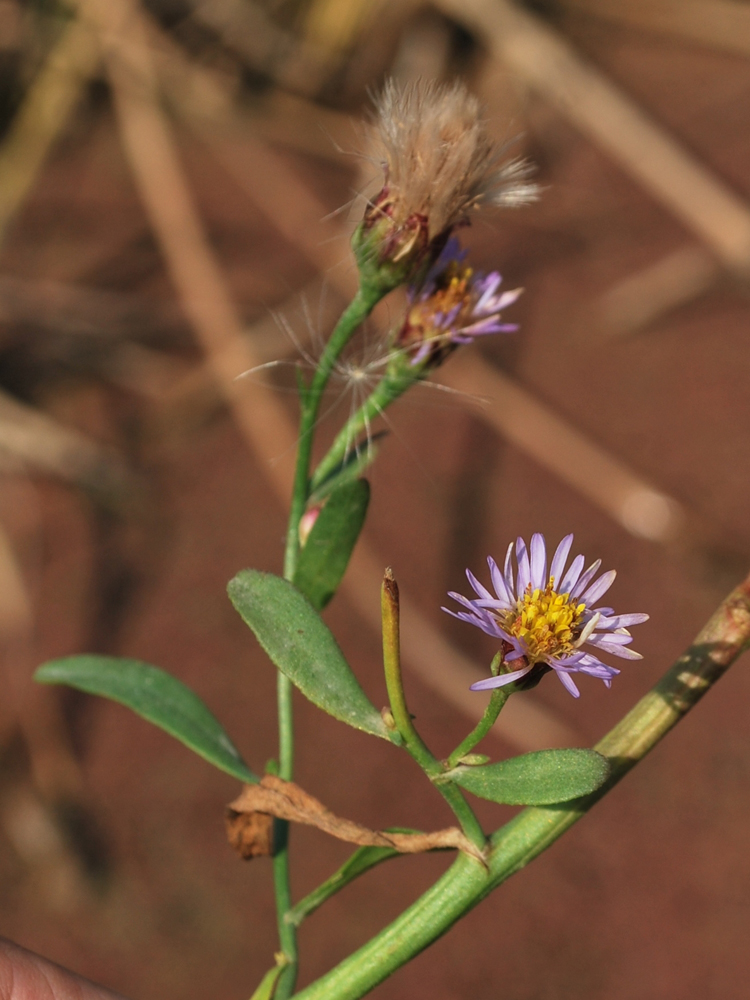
x: 451, y: 307
x: 547, y: 618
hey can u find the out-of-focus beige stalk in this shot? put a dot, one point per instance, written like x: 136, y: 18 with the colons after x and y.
x: 43, y: 115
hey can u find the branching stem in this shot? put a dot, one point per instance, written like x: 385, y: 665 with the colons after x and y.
x: 387, y: 391
x: 466, y: 883
x: 413, y: 742
x: 497, y: 701
x: 359, y: 308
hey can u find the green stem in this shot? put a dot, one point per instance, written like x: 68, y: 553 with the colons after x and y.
x: 496, y: 703
x: 361, y: 861
x: 463, y: 813
x: 358, y: 309
x: 281, y: 876
x: 354, y: 315
x: 387, y: 391
x: 466, y: 883
x: 413, y: 742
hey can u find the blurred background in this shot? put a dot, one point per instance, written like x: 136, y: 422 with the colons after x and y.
x: 176, y: 179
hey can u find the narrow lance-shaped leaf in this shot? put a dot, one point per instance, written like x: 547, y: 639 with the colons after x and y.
x: 326, y: 553
x: 302, y: 647
x: 536, y: 779
x: 267, y: 986
x: 156, y: 696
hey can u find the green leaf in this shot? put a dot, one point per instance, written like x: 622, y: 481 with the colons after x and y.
x: 156, y: 696
x: 350, y: 469
x: 302, y: 647
x: 325, y: 555
x: 267, y: 986
x: 536, y: 779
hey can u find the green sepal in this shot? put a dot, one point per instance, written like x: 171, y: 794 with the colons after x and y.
x: 157, y: 697
x: 326, y: 553
x: 535, y: 779
x: 378, y: 276
x: 301, y: 645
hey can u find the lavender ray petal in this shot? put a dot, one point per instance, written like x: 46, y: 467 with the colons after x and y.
x: 479, y: 588
x: 620, y: 621
x: 569, y: 661
x: 524, y: 569
x: 622, y: 651
x: 508, y: 572
x: 600, y: 588
x: 488, y: 324
x: 488, y: 626
x: 586, y: 579
x: 498, y: 582
x: 568, y: 683
x: 467, y: 603
x: 560, y: 558
x: 508, y: 298
x: 571, y: 577
x: 538, y: 562
x: 488, y: 287
x: 610, y: 638
x: 501, y: 681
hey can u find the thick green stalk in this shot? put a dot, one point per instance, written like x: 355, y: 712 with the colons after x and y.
x: 466, y: 883
x: 359, y: 308
x: 387, y: 391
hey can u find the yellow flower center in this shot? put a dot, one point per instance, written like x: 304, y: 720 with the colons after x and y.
x: 549, y: 623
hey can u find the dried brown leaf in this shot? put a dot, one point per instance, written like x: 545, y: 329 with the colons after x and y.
x: 250, y: 834
x: 285, y: 800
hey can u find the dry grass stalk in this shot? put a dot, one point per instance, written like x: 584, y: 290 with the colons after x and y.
x: 630, y: 500
x: 267, y: 179
x: 36, y: 442
x: 721, y: 24
x: 548, y: 64
x: 196, y: 274
x: 66, y: 308
x: 643, y: 297
x: 247, y: 30
x: 43, y: 116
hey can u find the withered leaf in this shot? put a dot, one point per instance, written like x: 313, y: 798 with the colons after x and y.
x: 285, y: 800
x: 250, y: 834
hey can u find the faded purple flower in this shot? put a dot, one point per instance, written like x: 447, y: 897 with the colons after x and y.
x: 451, y: 307
x: 546, y: 622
